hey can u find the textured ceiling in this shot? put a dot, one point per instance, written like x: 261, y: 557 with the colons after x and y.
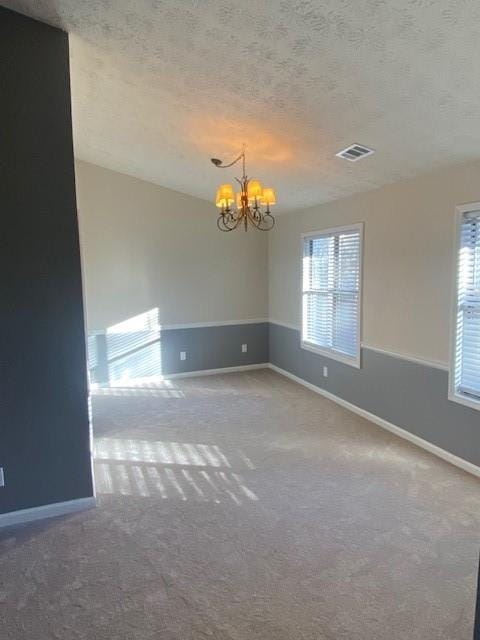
x: 160, y: 86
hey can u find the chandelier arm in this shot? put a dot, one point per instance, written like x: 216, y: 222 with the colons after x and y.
x: 233, y: 221
x: 223, y: 225
x: 227, y: 166
x: 270, y: 222
x: 257, y: 214
x: 219, y: 164
x: 230, y: 224
x: 238, y: 221
x: 262, y: 224
x: 252, y: 218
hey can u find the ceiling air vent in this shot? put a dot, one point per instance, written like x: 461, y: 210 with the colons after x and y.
x: 355, y: 152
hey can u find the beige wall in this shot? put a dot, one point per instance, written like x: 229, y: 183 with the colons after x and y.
x: 408, y: 259
x: 144, y: 247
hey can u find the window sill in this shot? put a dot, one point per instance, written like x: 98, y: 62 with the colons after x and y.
x: 467, y: 401
x: 333, y: 355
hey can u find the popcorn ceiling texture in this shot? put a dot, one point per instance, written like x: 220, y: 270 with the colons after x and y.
x: 160, y: 86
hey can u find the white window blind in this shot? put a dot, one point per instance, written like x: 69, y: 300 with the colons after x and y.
x: 331, y: 292
x: 467, y: 339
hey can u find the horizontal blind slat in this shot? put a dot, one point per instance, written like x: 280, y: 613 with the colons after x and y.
x: 467, y: 339
x: 331, y: 282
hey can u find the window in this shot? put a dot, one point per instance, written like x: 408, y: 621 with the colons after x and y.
x: 332, y: 265
x: 465, y: 357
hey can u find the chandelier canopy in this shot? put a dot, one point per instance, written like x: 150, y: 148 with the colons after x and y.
x: 245, y: 206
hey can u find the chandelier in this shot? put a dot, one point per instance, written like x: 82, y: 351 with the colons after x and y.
x: 244, y: 207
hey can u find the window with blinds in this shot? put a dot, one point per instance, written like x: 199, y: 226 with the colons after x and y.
x: 466, y: 356
x: 332, y: 262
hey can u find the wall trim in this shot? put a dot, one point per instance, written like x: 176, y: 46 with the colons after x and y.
x: 288, y: 325
x: 436, y: 364
x: 144, y: 382
x: 46, y: 511
x: 43, y: 512
x: 464, y: 399
x: 213, y: 372
x: 194, y: 325
x: 219, y: 323
x: 469, y: 467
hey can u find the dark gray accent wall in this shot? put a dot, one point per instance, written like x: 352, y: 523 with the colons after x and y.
x: 44, y: 430
x: 409, y: 395
x: 206, y: 348
x: 476, y: 632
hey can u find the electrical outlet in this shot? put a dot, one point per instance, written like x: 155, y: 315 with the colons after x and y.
x: 2, y: 477
x: 325, y: 372
x: 244, y: 348
x: 183, y: 355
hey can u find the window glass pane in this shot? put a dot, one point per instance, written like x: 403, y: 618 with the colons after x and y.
x: 331, y: 283
x: 349, y: 264
x: 467, y: 355
x: 318, y: 319
x: 345, y: 324
x: 321, y: 261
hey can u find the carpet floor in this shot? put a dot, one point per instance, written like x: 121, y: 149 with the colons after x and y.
x: 245, y: 507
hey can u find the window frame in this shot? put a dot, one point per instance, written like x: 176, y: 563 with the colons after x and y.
x: 453, y: 393
x: 356, y: 360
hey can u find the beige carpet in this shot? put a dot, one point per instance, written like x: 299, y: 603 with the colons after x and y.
x: 244, y: 507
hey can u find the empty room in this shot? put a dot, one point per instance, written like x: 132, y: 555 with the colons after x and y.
x: 240, y: 328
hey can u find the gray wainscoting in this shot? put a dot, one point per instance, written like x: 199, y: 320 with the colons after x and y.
x: 146, y: 354
x: 409, y: 395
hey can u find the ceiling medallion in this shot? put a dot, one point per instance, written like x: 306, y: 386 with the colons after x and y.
x: 244, y: 206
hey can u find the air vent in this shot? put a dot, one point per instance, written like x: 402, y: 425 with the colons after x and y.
x: 355, y: 152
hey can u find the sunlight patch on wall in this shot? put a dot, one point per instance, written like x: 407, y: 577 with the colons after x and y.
x: 133, y: 333
x: 137, y: 368
x: 132, y: 351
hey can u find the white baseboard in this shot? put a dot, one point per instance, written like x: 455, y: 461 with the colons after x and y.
x: 63, y: 508
x: 152, y: 380
x: 213, y: 372
x: 398, y: 431
x: 46, y: 511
